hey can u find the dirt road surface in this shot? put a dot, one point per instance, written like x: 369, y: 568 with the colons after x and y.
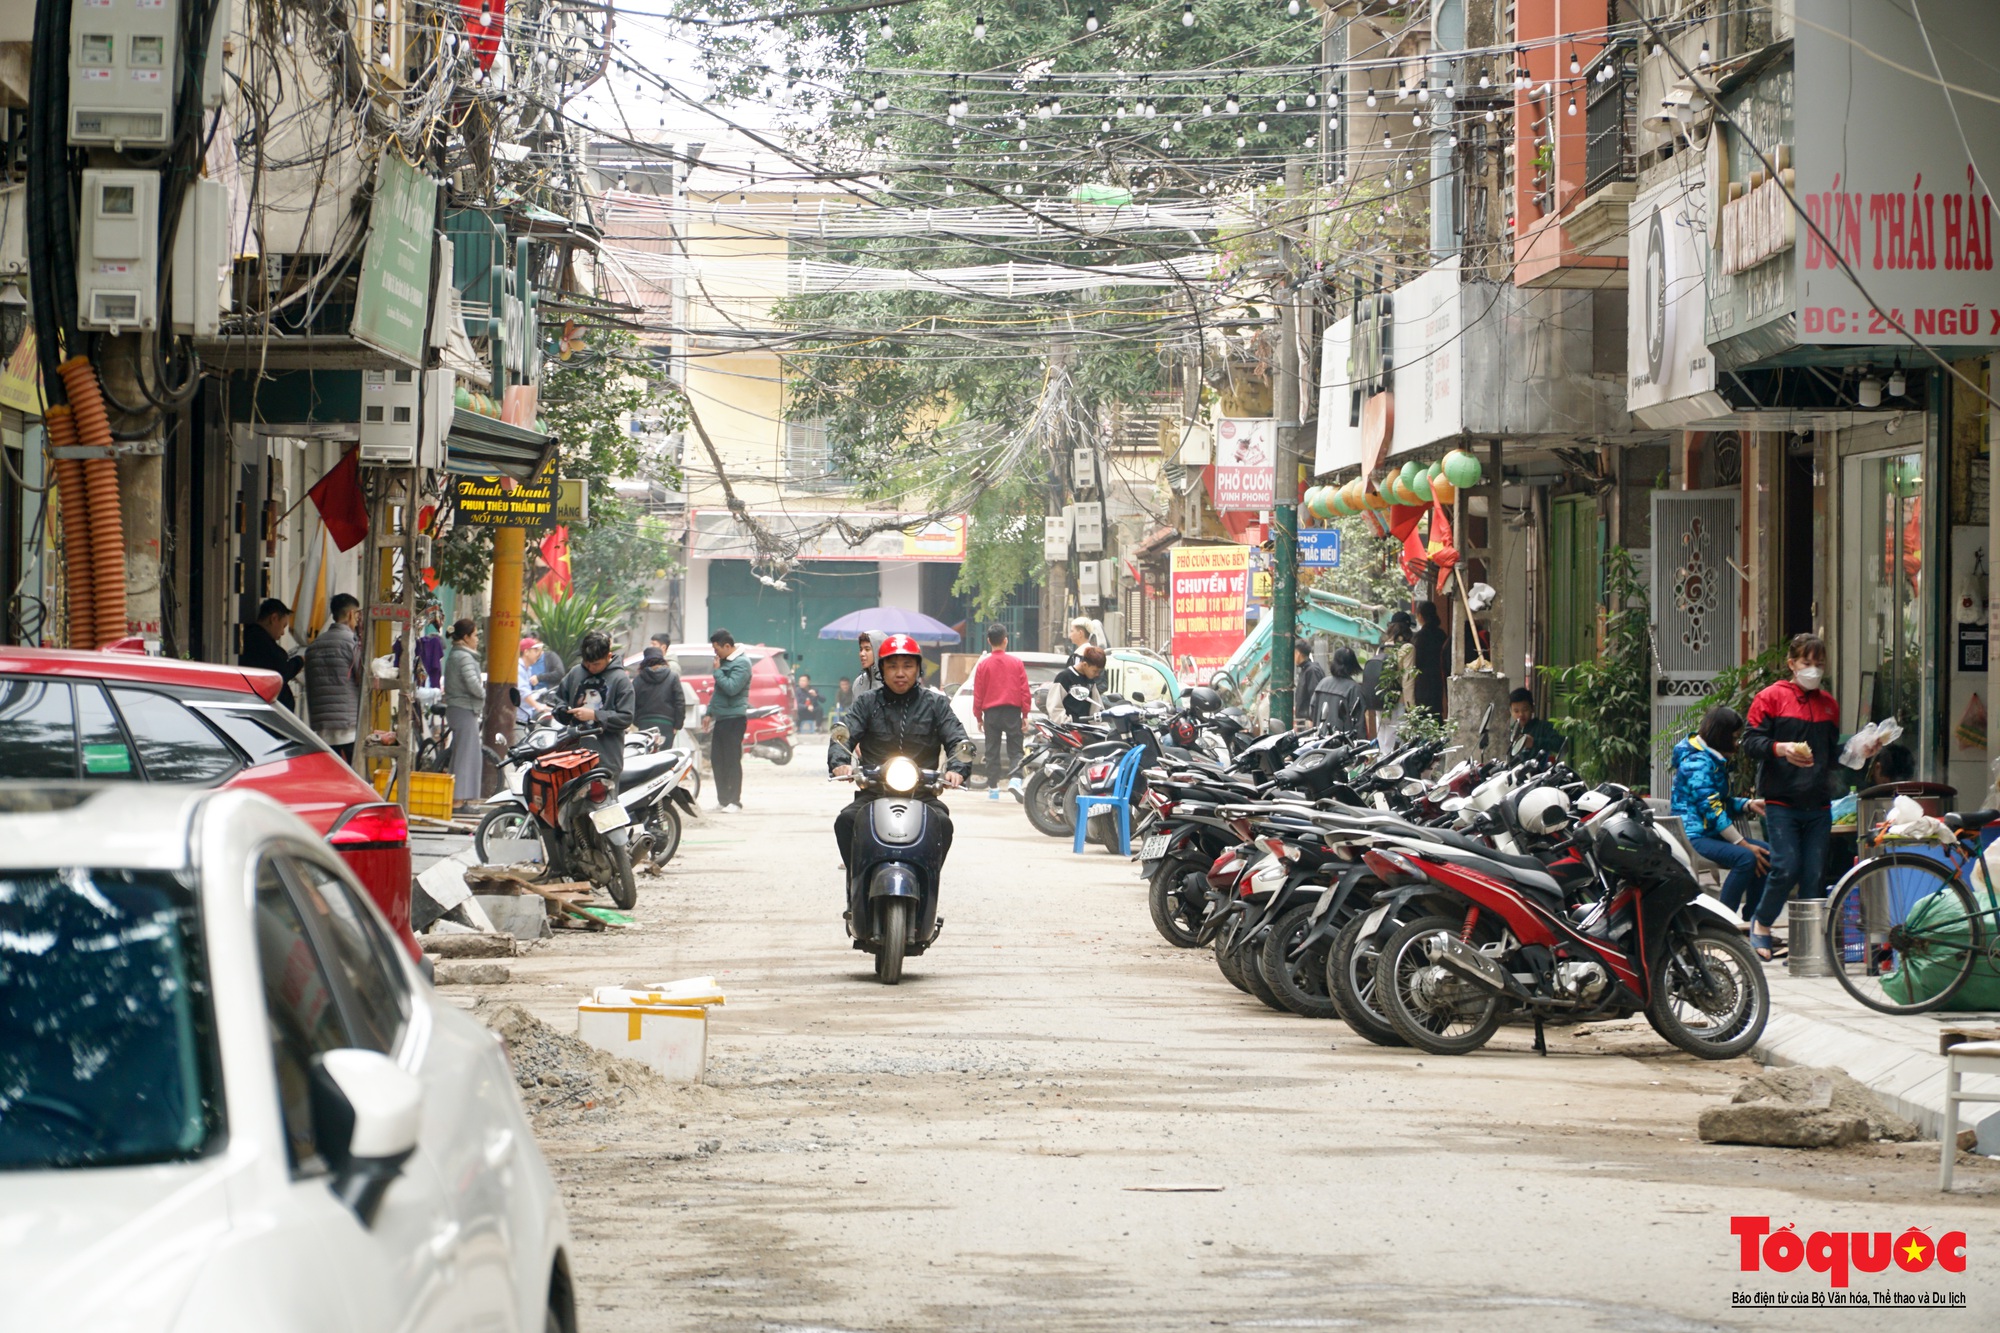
x: 1058, y: 1121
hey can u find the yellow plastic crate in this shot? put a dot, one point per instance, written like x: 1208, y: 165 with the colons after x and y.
x: 430, y: 793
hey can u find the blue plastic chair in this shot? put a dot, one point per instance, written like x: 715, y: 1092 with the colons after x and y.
x: 1119, y: 799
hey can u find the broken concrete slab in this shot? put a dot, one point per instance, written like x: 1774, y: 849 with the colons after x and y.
x: 524, y: 916
x: 473, y: 974
x: 470, y: 944
x: 1802, y: 1107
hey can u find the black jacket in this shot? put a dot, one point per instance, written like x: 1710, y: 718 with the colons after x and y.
x: 917, y: 724
x: 261, y: 650
x: 1429, y: 665
x: 1304, y: 683
x: 610, y: 696
x: 1075, y: 709
x: 657, y: 694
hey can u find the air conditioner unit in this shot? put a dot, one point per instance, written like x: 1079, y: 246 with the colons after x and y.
x: 383, y: 38
x: 405, y: 415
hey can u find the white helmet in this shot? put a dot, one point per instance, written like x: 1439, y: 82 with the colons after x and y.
x: 1543, y: 810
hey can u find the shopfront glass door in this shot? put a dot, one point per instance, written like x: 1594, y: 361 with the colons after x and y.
x: 1887, y: 605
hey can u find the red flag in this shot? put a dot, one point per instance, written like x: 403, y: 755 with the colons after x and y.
x: 555, y: 554
x: 1442, y: 549
x: 1415, y: 557
x: 342, y: 506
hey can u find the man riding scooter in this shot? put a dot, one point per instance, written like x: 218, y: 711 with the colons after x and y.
x: 892, y: 735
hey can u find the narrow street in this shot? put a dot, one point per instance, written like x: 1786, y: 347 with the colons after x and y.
x: 1059, y: 1122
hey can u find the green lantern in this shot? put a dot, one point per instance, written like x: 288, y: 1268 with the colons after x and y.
x: 1462, y: 469
x: 1421, y: 484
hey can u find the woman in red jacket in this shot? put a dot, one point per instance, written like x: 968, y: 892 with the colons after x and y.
x: 1794, y: 735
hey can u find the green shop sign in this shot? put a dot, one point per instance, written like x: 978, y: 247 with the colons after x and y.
x: 392, y: 305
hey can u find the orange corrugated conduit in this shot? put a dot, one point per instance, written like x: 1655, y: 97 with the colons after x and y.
x: 82, y: 613
x: 107, y: 523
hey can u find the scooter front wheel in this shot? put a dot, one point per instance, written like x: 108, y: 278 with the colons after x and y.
x: 624, y: 888
x: 893, y: 935
x: 1047, y: 807
x: 507, y: 822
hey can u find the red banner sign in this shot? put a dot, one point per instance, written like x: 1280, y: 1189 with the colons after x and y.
x: 1209, y: 585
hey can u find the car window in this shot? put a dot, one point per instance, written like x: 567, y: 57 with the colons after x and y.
x: 37, y: 729
x: 106, y: 753
x: 696, y: 664
x: 109, y: 1055
x: 1040, y: 675
x: 264, y: 733
x: 375, y: 997
x: 299, y: 1003
x: 174, y: 744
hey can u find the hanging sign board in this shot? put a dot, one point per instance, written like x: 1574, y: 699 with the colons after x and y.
x: 573, y: 501
x: 1089, y: 528
x: 482, y: 502
x: 1319, y: 548
x: 1209, y: 586
x: 1241, y: 480
x: 392, y: 297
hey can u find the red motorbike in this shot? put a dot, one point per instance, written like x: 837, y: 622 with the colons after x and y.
x: 1489, y: 934
x: 767, y: 734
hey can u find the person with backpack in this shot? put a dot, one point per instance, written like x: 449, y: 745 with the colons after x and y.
x: 1338, y: 702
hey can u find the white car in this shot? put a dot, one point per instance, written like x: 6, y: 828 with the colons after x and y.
x: 228, y: 1100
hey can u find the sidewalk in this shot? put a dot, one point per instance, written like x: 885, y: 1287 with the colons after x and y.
x: 1815, y: 1022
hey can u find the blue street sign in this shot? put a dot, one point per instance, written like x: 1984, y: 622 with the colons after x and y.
x: 1319, y: 547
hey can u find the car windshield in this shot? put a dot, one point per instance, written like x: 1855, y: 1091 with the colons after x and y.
x: 109, y: 1057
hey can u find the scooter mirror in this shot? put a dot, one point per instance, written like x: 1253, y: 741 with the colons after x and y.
x: 838, y: 733
x: 964, y: 750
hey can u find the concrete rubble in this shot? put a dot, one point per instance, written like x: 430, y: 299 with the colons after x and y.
x: 1802, y: 1108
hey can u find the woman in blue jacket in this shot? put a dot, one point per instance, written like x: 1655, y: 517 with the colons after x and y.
x: 1708, y: 812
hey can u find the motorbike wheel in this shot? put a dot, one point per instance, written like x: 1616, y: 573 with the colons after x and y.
x: 1172, y: 916
x: 1104, y: 832
x: 1226, y: 963
x: 895, y: 933
x: 1715, y: 1016
x: 781, y: 752
x: 624, y: 889
x: 1253, y: 977
x: 693, y: 781
x: 1431, y: 1007
x: 1350, y: 984
x: 664, y: 834
x: 1299, y: 983
x: 1047, y: 810
x: 505, y: 822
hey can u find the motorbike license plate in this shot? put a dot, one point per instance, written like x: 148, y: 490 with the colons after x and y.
x: 1374, y: 921
x: 610, y: 818
x: 1153, y: 847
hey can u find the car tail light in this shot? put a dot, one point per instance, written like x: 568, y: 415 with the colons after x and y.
x: 599, y: 792
x: 370, y: 826
x: 1392, y: 866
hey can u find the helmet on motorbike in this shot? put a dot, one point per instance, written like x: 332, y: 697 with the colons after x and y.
x: 1542, y: 810
x: 1627, y: 845
x: 898, y: 645
x: 1202, y: 700
x: 1184, y: 731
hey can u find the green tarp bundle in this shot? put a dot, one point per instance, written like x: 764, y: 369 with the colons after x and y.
x: 1941, y: 918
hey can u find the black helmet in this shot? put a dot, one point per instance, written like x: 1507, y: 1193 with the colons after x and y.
x: 1202, y: 701
x: 1627, y: 846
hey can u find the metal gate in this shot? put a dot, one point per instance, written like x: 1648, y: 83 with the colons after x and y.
x: 1695, y: 606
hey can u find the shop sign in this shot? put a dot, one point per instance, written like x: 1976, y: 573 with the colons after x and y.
x: 940, y: 539
x: 1759, y: 225
x: 1670, y: 374
x: 1209, y: 587
x: 573, y: 501
x: 392, y: 297
x: 1884, y: 171
x: 486, y: 502
x: 1319, y: 548
x: 1243, y: 475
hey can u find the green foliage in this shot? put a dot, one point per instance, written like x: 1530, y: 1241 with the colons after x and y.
x: 1733, y: 687
x: 1369, y: 569
x: 1003, y: 547
x: 463, y: 559
x: 1421, y: 725
x: 561, y: 622
x: 1608, y: 702
x: 622, y: 553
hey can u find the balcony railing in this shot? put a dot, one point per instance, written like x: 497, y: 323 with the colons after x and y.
x: 1610, y: 118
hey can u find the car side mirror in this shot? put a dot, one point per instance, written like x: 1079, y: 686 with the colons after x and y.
x: 366, y: 1113
x: 838, y: 733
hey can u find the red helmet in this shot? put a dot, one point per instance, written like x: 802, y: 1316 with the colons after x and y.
x: 898, y: 645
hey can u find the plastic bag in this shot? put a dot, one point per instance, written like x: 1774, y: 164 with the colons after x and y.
x: 1865, y: 743
x: 1907, y: 822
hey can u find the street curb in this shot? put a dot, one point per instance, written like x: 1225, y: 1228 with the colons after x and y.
x: 1907, y: 1082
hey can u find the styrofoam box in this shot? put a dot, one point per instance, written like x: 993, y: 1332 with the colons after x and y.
x: 664, y: 1027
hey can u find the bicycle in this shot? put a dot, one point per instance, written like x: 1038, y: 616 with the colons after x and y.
x: 1905, y: 930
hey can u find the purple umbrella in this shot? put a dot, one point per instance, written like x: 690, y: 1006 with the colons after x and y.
x: 880, y: 620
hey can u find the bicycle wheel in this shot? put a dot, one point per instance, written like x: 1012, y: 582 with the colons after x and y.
x: 1902, y: 933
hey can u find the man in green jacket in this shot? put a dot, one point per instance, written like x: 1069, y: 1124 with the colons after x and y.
x: 728, y: 713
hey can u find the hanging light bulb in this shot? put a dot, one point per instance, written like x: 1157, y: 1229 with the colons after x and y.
x: 1292, y: 8
x: 1187, y: 13
x: 1703, y: 60
x: 1165, y: 142
x: 1423, y: 92
x: 1240, y: 141
x: 1417, y: 119
x: 1485, y: 78
x: 1386, y: 141
x: 621, y: 180
x: 1177, y: 127
x: 1055, y: 106
x: 1312, y: 140
x: 1409, y: 173
x: 288, y: 38
x: 1104, y: 127
x: 1491, y: 115
x: 1312, y: 99
x: 949, y: 188
x: 887, y: 29
x: 381, y: 10
x: 1207, y: 109
x: 1371, y: 97
x: 1281, y: 105
x: 485, y: 13
x: 1897, y: 384
x: 1574, y: 67
x: 1572, y: 104
x: 1231, y: 105
x: 1263, y: 127
x: 1341, y: 179
x: 1090, y: 20
x: 881, y: 99
x: 1121, y: 111
x: 1454, y: 141
x: 1151, y: 110
x: 979, y: 28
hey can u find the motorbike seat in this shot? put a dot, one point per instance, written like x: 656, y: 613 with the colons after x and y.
x: 643, y: 768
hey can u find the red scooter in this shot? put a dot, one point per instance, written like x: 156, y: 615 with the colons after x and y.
x: 767, y: 734
x: 1494, y: 933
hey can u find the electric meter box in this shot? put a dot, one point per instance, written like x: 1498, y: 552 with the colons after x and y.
x: 122, y: 67
x: 117, y: 252
x: 201, y: 259
x: 401, y: 427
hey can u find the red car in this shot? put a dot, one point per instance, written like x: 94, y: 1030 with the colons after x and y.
x: 109, y: 716
x: 770, y: 673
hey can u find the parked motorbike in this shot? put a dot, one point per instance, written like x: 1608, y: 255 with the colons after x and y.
x: 767, y: 734
x: 1496, y: 933
x: 895, y: 861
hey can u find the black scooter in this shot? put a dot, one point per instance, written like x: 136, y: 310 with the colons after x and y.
x: 895, y: 861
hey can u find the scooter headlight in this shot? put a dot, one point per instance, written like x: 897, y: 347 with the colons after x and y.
x: 901, y: 774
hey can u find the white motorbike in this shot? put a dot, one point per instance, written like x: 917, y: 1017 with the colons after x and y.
x: 653, y: 791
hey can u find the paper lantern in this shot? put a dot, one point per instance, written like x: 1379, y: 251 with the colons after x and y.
x: 1421, y: 485
x: 1356, y: 494
x: 1409, y: 473
x: 1462, y: 469
x: 1403, y: 494
x: 1387, y: 488
x: 1336, y: 501
x: 1442, y: 490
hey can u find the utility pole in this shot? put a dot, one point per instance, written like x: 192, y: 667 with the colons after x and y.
x: 1055, y: 586
x: 1285, y: 483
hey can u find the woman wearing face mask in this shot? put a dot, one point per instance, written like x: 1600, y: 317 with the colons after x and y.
x: 1794, y: 735
x: 1708, y: 812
